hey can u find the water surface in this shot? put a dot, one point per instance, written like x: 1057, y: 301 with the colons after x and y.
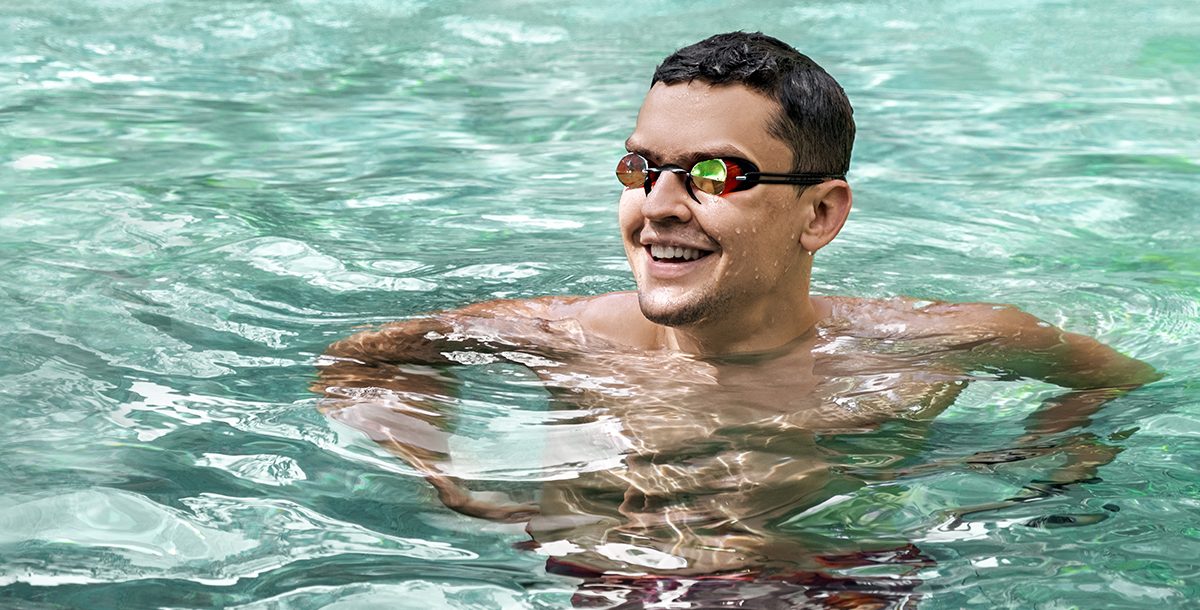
x: 196, y: 198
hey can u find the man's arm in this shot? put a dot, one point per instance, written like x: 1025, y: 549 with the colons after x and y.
x: 1022, y: 345
x: 391, y: 383
x: 1025, y: 346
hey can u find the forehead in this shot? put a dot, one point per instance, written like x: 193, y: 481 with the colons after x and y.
x: 678, y: 122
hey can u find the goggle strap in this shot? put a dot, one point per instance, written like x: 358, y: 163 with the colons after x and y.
x: 772, y: 178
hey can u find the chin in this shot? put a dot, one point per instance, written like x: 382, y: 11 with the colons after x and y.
x: 688, y: 309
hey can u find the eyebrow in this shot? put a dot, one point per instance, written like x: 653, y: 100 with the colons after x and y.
x: 699, y: 155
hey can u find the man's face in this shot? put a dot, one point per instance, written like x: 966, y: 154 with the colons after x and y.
x: 748, y: 241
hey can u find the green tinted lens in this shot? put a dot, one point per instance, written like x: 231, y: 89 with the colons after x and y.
x: 709, y: 176
x: 631, y: 170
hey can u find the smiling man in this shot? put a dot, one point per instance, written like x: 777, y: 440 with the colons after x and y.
x: 711, y: 383
x: 721, y: 250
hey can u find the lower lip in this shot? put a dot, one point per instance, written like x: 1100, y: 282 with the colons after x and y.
x: 665, y: 270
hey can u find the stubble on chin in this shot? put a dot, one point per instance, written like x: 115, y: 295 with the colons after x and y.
x: 684, y: 310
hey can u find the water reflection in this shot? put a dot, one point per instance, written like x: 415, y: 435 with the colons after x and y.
x: 161, y: 315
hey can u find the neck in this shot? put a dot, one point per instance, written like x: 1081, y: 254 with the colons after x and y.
x: 765, y: 327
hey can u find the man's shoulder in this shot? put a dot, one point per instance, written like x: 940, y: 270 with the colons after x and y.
x: 599, y: 307
x: 613, y: 317
x: 914, y: 318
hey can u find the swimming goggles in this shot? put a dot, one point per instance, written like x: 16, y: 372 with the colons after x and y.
x: 712, y: 176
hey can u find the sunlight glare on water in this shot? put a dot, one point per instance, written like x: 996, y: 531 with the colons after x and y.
x: 197, y: 198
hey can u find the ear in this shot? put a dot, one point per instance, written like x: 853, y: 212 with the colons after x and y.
x: 830, y: 205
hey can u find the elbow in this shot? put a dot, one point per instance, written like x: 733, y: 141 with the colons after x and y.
x: 1135, y: 374
x: 1146, y: 375
x: 1129, y: 375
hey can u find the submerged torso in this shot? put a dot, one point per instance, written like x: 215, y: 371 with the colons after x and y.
x: 709, y: 452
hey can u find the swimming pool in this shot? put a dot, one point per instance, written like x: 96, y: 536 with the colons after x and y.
x: 196, y: 198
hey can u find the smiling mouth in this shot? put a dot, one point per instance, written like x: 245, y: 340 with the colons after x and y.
x: 675, y: 254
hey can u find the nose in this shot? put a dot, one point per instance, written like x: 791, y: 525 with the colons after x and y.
x: 669, y: 199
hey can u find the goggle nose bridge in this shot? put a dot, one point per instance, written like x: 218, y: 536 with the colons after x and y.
x: 685, y: 175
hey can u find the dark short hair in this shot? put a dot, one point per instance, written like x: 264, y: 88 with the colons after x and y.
x: 815, y: 119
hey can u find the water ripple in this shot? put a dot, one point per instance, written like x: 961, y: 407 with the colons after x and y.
x: 141, y: 539
x: 199, y: 197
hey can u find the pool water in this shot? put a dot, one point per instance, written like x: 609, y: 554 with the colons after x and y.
x: 197, y: 197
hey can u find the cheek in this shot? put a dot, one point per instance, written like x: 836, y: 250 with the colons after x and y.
x: 726, y: 225
x: 628, y: 208
x: 751, y: 237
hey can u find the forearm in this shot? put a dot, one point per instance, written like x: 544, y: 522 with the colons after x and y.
x: 405, y: 409
x: 1057, y: 429
x: 1084, y: 452
x: 401, y: 368
x: 1070, y: 411
x: 394, y: 384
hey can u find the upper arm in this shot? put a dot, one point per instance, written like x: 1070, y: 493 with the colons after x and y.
x: 407, y: 355
x: 1024, y: 345
x: 487, y: 326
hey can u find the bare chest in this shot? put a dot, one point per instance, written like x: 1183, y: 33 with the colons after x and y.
x: 663, y: 404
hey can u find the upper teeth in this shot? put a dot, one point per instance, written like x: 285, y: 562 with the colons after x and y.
x: 658, y: 251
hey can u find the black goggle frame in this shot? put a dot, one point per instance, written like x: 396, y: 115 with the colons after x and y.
x: 745, y: 175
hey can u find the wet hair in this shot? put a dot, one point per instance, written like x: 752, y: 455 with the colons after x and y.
x: 815, y: 119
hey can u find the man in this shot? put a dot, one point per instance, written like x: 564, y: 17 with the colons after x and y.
x: 714, y: 378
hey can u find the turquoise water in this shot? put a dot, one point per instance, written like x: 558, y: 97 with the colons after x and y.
x: 196, y: 198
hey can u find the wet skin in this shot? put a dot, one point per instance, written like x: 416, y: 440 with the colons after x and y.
x: 711, y: 448
x: 714, y: 378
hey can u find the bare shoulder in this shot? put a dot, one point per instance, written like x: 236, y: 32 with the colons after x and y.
x: 912, y: 318
x: 612, y: 318
x: 558, y: 324
x: 996, y: 336
x: 616, y: 318
x: 539, y: 308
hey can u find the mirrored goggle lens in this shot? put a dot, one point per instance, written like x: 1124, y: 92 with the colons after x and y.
x: 709, y: 176
x: 631, y: 170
